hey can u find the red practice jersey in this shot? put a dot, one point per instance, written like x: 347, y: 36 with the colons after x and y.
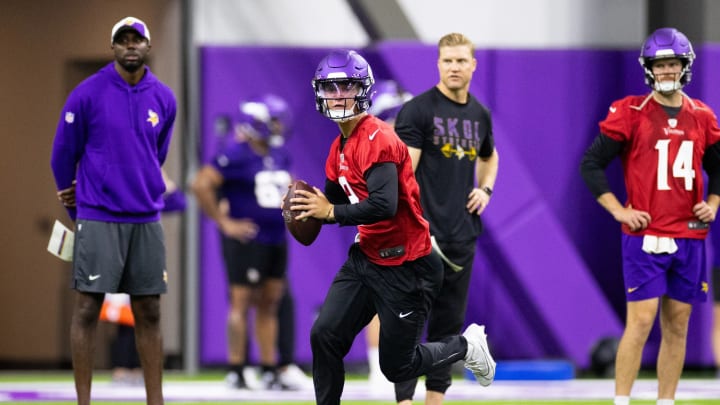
x: 662, y: 160
x: 372, y: 142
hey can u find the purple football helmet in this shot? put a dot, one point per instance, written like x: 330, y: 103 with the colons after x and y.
x: 342, y: 77
x: 276, y: 108
x: 388, y: 98
x: 666, y: 43
x: 253, y: 121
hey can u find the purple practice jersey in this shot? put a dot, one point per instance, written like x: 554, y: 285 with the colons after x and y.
x: 254, y: 185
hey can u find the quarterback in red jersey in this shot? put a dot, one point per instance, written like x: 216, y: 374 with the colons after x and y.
x: 374, y: 141
x: 664, y: 165
x: 391, y: 270
x: 664, y: 140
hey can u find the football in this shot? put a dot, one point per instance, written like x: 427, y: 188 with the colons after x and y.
x: 306, y: 230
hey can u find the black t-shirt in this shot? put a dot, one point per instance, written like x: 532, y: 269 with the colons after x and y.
x: 452, y: 137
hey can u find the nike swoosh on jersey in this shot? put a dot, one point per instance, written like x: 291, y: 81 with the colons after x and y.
x: 405, y: 314
x: 372, y: 136
x: 94, y: 277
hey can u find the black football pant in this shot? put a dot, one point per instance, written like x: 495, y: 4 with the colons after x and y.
x: 447, y: 316
x: 401, y: 296
x: 286, y: 329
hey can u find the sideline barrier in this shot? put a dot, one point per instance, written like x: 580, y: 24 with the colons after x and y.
x: 531, y: 370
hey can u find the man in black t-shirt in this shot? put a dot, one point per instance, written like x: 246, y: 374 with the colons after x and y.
x: 449, y: 137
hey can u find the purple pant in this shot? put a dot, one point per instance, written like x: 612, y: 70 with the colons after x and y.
x: 681, y: 276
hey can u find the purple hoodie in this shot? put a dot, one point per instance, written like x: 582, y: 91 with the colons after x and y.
x: 112, y: 138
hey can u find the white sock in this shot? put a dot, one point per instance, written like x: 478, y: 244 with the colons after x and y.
x: 374, y: 361
x: 622, y: 400
x: 665, y: 402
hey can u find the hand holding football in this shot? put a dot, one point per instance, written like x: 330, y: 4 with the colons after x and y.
x: 307, y: 229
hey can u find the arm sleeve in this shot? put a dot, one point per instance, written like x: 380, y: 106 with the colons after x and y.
x: 382, y: 201
x: 409, y: 125
x: 166, y: 133
x: 68, y: 143
x: 488, y: 146
x: 174, y: 201
x: 68, y: 146
x: 597, y: 157
x: 711, y: 163
x: 335, y: 193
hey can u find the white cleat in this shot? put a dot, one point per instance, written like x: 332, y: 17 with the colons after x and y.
x: 292, y: 378
x: 478, y: 358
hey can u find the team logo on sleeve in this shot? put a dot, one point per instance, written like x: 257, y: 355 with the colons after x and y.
x: 222, y: 160
x: 153, y: 118
x: 69, y: 117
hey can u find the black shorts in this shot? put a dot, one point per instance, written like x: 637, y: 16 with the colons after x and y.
x: 110, y: 257
x: 250, y: 263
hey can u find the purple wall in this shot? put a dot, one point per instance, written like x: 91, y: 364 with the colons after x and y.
x: 547, y: 280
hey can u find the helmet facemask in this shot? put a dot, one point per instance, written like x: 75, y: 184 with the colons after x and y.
x: 667, y: 43
x: 342, y: 84
x: 341, y: 99
x: 667, y: 87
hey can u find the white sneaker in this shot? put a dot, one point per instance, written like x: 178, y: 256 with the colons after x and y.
x: 234, y: 380
x: 252, y: 378
x: 294, y: 379
x: 478, y: 358
x: 270, y: 381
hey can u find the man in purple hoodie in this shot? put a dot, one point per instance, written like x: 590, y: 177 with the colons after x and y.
x: 111, y: 140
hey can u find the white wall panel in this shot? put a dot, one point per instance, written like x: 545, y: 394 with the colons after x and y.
x: 277, y: 22
x: 489, y: 23
x: 531, y: 23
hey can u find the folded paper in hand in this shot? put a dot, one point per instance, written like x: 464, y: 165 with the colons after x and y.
x: 61, y: 242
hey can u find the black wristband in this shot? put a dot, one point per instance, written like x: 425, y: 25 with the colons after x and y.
x: 487, y: 191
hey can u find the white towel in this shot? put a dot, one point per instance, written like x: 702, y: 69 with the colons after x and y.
x: 658, y: 244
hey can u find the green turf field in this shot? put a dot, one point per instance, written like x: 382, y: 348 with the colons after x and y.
x: 103, y: 376
x: 509, y: 402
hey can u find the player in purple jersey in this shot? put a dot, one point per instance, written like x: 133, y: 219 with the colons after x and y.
x: 280, y: 125
x: 110, y: 143
x: 663, y: 139
x: 290, y: 376
x: 450, y: 139
x: 252, y: 174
